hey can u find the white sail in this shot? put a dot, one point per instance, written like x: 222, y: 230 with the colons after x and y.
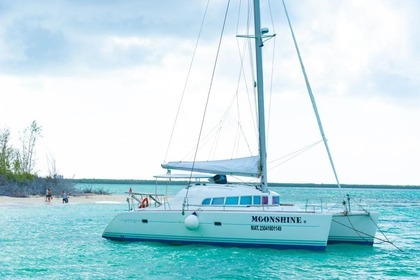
x: 247, y: 166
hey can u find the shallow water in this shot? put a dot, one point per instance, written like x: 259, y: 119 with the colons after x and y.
x: 41, y: 241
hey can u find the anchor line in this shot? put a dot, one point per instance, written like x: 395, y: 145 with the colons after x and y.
x: 369, y: 235
x: 357, y: 231
x: 379, y: 229
x: 360, y: 206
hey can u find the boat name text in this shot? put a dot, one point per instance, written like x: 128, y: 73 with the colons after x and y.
x: 277, y: 220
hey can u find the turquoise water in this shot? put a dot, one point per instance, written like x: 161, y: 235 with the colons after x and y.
x: 41, y: 241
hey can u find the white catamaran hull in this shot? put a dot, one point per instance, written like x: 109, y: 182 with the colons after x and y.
x: 355, y: 227
x: 238, y: 228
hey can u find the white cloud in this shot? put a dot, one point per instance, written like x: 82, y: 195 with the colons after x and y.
x: 107, y: 90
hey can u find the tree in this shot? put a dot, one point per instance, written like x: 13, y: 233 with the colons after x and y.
x: 17, y: 176
x: 6, y: 152
x: 25, y: 158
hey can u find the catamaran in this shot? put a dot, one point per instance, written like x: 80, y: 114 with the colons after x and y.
x: 220, y: 213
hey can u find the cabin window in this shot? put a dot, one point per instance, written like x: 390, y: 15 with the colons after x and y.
x: 257, y: 200
x: 233, y: 200
x: 246, y: 200
x: 218, y: 201
x: 206, y: 201
x: 276, y: 199
x: 265, y: 200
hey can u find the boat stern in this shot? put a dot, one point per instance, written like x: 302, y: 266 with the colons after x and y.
x: 355, y: 227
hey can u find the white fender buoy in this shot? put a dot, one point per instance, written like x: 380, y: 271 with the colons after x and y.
x: 191, y: 222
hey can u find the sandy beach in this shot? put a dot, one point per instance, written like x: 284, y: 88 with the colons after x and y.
x: 72, y: 199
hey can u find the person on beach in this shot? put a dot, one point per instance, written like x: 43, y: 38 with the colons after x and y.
x: 49, y: 196
x: 65, y: 197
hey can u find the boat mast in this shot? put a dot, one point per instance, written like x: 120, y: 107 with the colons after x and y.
x: 260, y: 92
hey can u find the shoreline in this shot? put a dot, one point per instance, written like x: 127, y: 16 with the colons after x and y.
x: 91, y: 198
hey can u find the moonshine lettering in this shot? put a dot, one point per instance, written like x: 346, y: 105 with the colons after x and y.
x: 276, y: 219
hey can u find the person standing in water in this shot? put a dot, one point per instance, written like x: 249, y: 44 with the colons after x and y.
x: 48, y: 196
x: 65, y: 197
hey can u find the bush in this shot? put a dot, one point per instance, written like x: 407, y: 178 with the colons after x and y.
x: 90, y: 190
x: 25, y: 187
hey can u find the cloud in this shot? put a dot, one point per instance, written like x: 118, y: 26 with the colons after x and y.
x: 52, y: 36
x: 104, y: 80
x: 360, y: 46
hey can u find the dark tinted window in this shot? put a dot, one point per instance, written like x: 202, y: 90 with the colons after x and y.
x: 246, y: 200
x: 218, y: 201
x: 233, y: 200
x: 206, y: 201
x: 257, y: 200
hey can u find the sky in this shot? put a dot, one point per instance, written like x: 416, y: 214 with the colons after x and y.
x: 104, y: 78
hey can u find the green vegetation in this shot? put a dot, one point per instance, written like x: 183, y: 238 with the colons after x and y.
x: 17, y: 167
x: 17, y: 177
x: 18, y: 164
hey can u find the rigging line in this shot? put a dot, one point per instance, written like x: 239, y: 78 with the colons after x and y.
x: 215, y: 132
x: 277, y: 165
x: 187, y: 79
x: 252, y: 66
x: 236, y: 96
x: 243, y: 181
x: 251, y: 104
x: 357, y: 231
x: 308, y: 86
x: 236, y: 143
x: 293, y: 154
x: 298, y: 151
x: 272, y: 71
x: 247, y: 45
x: 209, y: 91
x: 241, y: 73
x: 220, y: 126
x: 245, y: 139
x: 241, y: 70
x: 369, y: 235
x: 205, y: 109
x: 240, y: 134
x: 383, y: 234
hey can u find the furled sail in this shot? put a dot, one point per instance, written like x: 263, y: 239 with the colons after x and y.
x: 247, y: 166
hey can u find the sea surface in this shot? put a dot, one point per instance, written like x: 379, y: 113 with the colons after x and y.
x: 42, y: 241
